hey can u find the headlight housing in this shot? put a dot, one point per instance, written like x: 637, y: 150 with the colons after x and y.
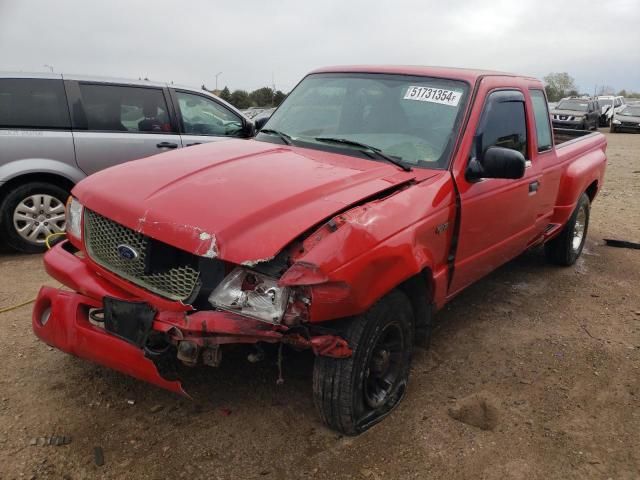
x: 616, y: 121
x: 251, y: 294
x: 74, y: 218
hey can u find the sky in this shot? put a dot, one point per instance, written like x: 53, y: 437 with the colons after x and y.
x: 259, y: 43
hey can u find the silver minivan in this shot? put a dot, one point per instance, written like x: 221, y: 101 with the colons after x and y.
x: 57, y: 129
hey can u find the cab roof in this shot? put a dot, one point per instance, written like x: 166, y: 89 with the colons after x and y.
x: 466, y: 74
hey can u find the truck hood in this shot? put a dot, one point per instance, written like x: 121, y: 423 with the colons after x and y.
x: 240, y: 200
x: 628, y: 118
x: 573, y: 113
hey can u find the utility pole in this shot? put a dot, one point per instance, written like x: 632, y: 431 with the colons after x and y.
x: 217, y: 75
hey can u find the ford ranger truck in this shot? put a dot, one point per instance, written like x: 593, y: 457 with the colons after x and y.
x: 369, y: 199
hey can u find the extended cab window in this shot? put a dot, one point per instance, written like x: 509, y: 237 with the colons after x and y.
x: 124, y: 109
x: 541, y: 113
x: 202, y: 116
x: 33, y: 103
x: 503, y: 122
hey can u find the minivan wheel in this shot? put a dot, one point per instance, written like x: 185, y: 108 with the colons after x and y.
x: 352, y: 394
x: 567, y: 246
x: 30, y: 213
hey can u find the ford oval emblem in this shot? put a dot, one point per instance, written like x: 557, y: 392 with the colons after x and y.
x: 127, y: 253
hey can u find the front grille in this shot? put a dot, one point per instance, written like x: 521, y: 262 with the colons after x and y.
x: 103, y: 237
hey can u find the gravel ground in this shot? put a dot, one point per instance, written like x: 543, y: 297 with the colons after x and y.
x: 545, y: 359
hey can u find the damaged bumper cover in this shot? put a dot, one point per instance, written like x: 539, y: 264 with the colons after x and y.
x: 62, y: 319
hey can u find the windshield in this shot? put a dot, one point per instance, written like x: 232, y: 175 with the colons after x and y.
x: 631, y: 111
x: 576, y: 105
x: 413, y: 120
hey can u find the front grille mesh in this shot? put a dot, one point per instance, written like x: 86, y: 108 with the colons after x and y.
x: 102, y: 238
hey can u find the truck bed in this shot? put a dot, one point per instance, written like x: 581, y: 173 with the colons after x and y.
x: 562, y: 136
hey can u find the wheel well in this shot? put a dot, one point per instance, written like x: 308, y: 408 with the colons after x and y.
x: 52, y: 178
x: 592, y: 190
x: 419, y: 289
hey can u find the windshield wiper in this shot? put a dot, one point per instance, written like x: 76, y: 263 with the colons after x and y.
x: 285, y: 137
x: 364, y: 146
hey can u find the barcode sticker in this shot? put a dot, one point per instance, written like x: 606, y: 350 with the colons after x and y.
x: 433, y: 95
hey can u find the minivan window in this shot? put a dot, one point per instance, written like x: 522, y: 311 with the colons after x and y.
x: 124, y: 109
x: 33, y: 103
x: 503, y: 123
x: 541, y: 114
x: 202, y: 116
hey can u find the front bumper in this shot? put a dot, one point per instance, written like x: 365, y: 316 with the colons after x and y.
x: 568, y: 124
x: 628, y: 126
x: 61, y: 319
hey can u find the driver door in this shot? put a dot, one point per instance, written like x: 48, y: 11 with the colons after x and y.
x: 498, y: 216
x: 204, y: 120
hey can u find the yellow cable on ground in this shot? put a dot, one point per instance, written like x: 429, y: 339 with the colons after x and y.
x: 14, y: 307
x: 46, y: 240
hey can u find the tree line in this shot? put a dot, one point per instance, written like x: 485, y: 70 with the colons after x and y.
x: 561, y: 85
x: 242, y: 99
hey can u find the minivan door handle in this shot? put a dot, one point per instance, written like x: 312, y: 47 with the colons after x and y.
x: 167, y: 145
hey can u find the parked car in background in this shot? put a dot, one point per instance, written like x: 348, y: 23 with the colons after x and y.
x: 609, y: 104
x: 264, y: 115
x: 626, y: 120
x: 55, y: 130
x: 578, y: 113
x: 371, y: 198
x: 251, y: 112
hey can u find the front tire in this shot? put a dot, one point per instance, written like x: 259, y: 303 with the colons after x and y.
x: 30, y: 213
x: 565, y: 248
x: 355, y: 393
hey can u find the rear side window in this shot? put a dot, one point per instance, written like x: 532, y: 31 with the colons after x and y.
x: 503, y: 122
x: 33, y: 103
x: 123, y: 109
x: 541, y: 113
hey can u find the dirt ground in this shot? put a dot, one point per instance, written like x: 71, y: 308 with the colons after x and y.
x: 555, y: 353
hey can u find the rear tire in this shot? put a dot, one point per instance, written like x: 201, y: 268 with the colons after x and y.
x: 352, y: 394
x: 565, y: 248
x: 35, y: 208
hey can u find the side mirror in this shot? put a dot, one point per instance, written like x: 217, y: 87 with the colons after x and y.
x: 497, y: 162
x: 260, y: 123
x: 248, y: 129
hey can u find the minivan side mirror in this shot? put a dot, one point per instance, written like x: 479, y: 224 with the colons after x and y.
x: 497, y: 162
x: 248, y: 129
x: 260, y: 123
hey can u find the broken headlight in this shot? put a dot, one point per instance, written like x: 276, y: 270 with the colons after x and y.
x: 251, y: 294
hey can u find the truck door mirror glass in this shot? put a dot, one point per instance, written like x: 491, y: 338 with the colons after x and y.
x: 497, y: 162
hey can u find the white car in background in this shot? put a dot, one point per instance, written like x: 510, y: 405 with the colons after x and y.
x: 609, y: 104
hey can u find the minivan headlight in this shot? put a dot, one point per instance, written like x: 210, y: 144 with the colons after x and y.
x: 251, y: 294
x: 74, y: 218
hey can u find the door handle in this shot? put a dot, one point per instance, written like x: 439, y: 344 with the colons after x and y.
x: 167, y: 145
x: 533, y: 186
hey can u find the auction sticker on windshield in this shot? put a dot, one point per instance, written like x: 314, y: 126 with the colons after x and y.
x: 433, y: 95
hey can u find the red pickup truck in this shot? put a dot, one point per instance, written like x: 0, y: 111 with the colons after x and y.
x: 370, y: 198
